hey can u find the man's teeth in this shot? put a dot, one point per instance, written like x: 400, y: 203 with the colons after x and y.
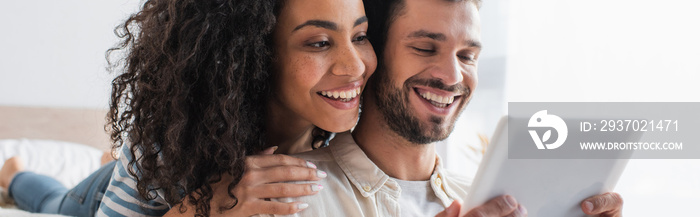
x: 439, y: 101
x: 342, y: 95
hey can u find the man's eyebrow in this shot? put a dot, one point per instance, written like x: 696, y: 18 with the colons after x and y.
x: 441, y: 37
x: 426, y: 34
x: 473, y: 43
x: 360, y: 21
x: 318, y: 23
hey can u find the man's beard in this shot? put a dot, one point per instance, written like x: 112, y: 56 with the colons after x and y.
x: 394, y: 105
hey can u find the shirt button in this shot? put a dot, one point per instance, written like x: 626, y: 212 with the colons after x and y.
x: 367, y: 188
x: 438, y: 181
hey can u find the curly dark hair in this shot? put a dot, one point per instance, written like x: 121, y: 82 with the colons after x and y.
x: 190, y: 92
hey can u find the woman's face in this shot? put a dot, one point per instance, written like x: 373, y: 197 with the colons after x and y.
x: 323, y: 61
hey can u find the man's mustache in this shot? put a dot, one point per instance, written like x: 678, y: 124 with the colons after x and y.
x: 437, y: 84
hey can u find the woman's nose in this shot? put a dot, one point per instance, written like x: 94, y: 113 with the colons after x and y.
x: 348, y: 62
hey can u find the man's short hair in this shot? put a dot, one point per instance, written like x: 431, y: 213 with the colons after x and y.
x: 381, y: 14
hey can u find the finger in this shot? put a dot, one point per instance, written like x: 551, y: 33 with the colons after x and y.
x: 279, y: 208
x: 278, y: 190
x: 450, y: 211
x: 499, y: 206
x: 609, y: 203
x: 519, y: 212
x: 262, y: 161
x: 287, y: 173
x: 270, y: 150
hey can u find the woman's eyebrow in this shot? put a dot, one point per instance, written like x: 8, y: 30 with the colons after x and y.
x: 360, y: 21
x: 327, y: 24
x: 318, y: 23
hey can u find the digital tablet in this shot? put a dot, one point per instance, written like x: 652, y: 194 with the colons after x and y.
x: 546, y: 187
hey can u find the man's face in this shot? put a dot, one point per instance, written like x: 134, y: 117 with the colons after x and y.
x: 429, y: 71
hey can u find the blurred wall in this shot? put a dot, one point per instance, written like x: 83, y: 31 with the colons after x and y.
x: 603, y: 50
x: 52, y: 53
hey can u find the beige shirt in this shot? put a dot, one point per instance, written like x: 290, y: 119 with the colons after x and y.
x: 355, y: 186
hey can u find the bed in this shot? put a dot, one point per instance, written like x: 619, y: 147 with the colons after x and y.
x: 64, y: 143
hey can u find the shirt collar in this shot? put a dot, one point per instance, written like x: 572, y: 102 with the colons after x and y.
x: 440, y: 186
x: 359, y: 169
x: 368, y: 178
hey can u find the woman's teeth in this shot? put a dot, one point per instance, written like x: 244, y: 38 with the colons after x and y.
x: 439, y: 101
x: 343, y: 96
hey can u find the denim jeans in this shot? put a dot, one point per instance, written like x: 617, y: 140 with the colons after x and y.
x: 42, y: 194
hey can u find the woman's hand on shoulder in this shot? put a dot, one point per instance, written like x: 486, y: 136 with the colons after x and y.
x: 265, y: 177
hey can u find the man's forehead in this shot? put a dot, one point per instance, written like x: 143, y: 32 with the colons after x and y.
x: 441, y: 19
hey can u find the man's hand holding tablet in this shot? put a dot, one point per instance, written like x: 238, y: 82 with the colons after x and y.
x: 603, y: 205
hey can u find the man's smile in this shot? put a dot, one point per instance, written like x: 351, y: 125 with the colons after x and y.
x: 437, y: 101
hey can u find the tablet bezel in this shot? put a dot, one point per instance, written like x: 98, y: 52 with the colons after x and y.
x: 558, y: 190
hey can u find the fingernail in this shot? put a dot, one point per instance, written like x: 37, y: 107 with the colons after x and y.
x: 511, y: 201
x: 302, y: 206
x: 316, y: 187
x: 588, y: 206
x: 274, y: 148
x: 450, y: 210
x: 522, y: 210
x: 310, y: 165
x: 321, y: 174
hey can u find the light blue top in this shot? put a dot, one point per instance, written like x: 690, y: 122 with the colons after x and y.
x: 122, y: 198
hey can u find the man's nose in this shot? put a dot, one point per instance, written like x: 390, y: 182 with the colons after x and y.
x: 348, y: 62
x: 449, y: 71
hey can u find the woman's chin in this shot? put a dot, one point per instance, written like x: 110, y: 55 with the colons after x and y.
x: 339, y: 124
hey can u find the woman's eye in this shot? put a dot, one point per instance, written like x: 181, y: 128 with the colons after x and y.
x: 360, y: 38
x: 320, y: 44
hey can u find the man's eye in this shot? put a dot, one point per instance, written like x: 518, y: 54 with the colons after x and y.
x: 320, y: 44
x: 420, y: 50
x: 465, y: 58
x: 468, y: 59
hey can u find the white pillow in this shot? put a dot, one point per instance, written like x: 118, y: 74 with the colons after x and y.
x: 67, y: 162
